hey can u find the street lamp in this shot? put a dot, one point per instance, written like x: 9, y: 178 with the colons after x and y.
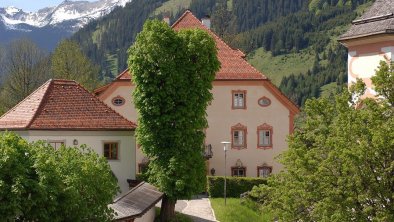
x: 225, y: 148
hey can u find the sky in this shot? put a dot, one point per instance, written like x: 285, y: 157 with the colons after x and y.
x: 31, y: 5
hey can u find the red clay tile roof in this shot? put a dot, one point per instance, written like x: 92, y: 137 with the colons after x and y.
x: 63, y: 105
x: 233, y: 64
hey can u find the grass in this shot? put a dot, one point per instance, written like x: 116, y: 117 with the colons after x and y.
x: 277, y: 67
x: 237, y: 212
x: 178, y: 217
x: 327, y: 90
x: 173, y: 6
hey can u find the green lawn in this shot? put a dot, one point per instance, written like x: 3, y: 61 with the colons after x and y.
x: 173, y: 6
x: 236, y: 212
x: 276, y: 67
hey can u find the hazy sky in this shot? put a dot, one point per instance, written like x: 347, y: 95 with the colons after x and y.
x: 31, y: 5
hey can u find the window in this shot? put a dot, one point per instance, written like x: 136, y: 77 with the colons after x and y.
x: 118, y: 101
x: 56, y: 144
x: 238, y: 136
x: 264, y: 135
x: 239, y: 99
x: 264, y: 171
x: 238, y: 171
x: 111, y: 151
x: 264, y: 101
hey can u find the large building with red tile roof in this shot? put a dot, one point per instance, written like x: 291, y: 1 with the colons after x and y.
x: 247, y: 110
x: 370, y: 40
x: 62, y: 112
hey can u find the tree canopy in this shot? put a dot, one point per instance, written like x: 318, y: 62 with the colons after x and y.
x: 173, y: 74
x: 25, y: 67
x: 69, y: 62
x: 340, y: 162
x: 39, y: 183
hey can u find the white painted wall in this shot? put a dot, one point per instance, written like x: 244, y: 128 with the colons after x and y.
x: 124, y: 168
x: 148, y: 216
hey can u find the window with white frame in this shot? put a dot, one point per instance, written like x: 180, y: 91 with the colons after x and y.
x: 239, y: 99
x: 264, y: 171
x: 265, y: 138
x: 264, y: 134
x: 238, y: 136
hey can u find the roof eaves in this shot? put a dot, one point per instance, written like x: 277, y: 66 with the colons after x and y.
x: 345, y: 38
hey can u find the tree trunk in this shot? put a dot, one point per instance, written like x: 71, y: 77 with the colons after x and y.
x: 167, y: 211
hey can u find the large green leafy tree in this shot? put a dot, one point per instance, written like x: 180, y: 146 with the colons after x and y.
x: 340, y: 162
x: 69, y: 62
x: 173, y: 73
x: 38, y: 183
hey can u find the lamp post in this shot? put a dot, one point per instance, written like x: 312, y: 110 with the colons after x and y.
x: 225, y: 148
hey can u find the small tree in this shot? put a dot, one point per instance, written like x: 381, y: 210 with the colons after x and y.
x: 173, y: 73
x: 38, y: 183
x: 69, y: 62
x: 340, y: 162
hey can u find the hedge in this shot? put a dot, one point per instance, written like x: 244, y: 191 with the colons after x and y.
x: 235, y: 185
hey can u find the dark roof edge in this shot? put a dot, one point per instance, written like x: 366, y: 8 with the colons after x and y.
x: 142, y: 212
x: 373, y: 19
x: 387, y: 31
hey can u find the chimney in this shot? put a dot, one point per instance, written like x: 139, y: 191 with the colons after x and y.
x: 206, y: 21
x: 166, y: 19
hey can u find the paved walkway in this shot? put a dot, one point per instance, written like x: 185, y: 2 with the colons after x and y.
x: 199, y: 208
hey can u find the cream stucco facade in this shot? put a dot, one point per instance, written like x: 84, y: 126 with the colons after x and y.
x: 364, y: 57
x: 123, y: 168
x: 222, y: 117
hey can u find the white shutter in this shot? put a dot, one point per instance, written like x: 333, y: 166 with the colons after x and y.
x: 241, y: 137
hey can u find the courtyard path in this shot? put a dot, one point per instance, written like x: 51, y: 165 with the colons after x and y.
x: 199, y: 208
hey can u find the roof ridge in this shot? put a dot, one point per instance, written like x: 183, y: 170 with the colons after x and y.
x: 219, y: 39
x: 97, y: 99
x: 373, y: 19
x: 38, y: 110
x: 180, y: 18
x: 28, y: 97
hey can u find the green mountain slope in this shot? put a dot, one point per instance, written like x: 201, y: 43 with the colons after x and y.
x: 293, y: 42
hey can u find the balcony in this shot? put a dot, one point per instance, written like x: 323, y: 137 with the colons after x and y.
x: 208, y: 152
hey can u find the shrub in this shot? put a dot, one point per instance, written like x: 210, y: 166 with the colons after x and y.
x: 235, y: 185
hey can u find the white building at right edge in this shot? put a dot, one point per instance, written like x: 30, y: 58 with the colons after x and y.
x: 370, y: 40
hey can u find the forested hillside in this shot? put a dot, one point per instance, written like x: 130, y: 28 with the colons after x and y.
x: 291, y: 41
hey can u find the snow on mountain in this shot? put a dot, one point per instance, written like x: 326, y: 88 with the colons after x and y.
x: 78, y: 12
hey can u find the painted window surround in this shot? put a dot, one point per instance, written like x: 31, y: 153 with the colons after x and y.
x: 264, y: 167
x: 264, y: 98
x: 118, y: 98
x: 239, y: 127
x: 237, y: 168
x: 233, y: 92
x: 268, y: 127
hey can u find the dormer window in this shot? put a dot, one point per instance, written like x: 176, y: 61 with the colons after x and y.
x: 239, y: 99
x: 118, y: 101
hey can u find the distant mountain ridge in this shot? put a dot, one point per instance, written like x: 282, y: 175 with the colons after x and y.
x: 62, y: 20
